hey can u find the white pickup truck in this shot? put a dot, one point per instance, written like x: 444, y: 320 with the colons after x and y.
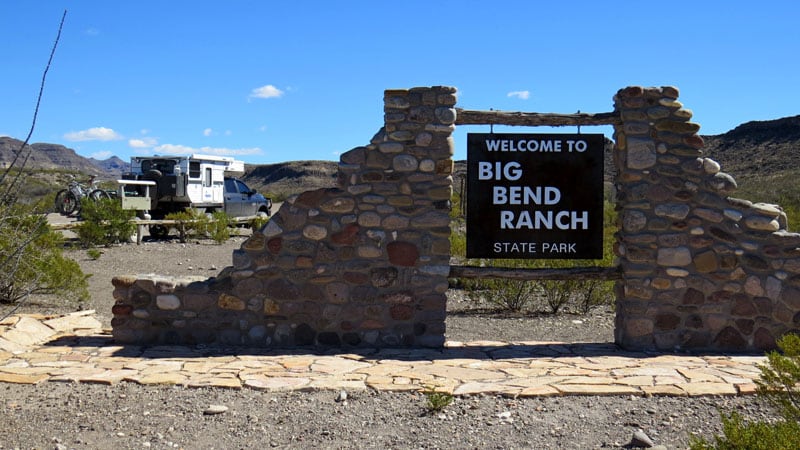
x: 166, y: 184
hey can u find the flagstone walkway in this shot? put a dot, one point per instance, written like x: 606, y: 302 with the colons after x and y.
x: 75, y: 348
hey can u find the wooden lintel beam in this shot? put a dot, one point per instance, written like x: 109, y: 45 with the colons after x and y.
x: 529, y: 119
x: 582, y: 273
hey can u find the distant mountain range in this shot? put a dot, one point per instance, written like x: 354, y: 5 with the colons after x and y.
x: 755, y: 149
x: 56, y: 156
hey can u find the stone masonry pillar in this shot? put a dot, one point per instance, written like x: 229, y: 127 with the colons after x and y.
x: 365, y: 263
x: 701, y: 271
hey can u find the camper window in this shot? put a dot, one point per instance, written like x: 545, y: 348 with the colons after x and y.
x: 194, y: 169
x: 165, y: 166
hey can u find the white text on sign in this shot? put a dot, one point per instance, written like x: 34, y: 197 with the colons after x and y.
x: 534, y: 145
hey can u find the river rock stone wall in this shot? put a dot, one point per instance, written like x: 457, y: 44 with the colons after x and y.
x: 702, y: 271
x: 364, y: 264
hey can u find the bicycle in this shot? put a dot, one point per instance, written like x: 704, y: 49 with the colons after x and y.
x: 68, y: 201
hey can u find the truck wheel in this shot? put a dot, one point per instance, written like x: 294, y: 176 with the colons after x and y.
x: 158, y: 231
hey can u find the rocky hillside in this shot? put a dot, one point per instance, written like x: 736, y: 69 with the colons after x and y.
x: 47, y: 157
x: 757, y: 149
x: 284, y: 179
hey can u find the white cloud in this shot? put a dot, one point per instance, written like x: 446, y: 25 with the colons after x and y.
x: 228, y: 132
x: 262, y: 128
x: 522, y: 95
x: 142, y: 143
x: 93, y: 134
x: 172, y: 149
x: 268, y: 91
x: 208, y: 132
x: 105, y: 154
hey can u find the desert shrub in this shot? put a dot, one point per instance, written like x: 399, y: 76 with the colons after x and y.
x: 194, y: 223
x: 190, y: 223
x: 436, y: 401
x: 739, y: 434
x: 779, y: 384
x: 258, y: 222
x: 218, y: 227
x: 557, y: 293
x: 780, y: 378
x: 594, y: 293
x: 458, y: 239
x: 104, y: 223
x: 512, y: 295
x: 31, y: 258
x: 507, y: 294
x: 457, y: 204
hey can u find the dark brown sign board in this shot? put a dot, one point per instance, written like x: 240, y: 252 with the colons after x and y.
x: 535, y: 196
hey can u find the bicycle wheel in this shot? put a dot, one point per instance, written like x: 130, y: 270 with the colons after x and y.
x: 98, y: 194
x: 72, y: 204
x: 59, y: 202
x: 68, y: 204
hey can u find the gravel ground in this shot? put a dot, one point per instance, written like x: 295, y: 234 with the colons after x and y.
x: 130, y: 416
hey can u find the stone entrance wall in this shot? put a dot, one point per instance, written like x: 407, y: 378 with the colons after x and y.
x: 702, y: 271
x: 365, y: 264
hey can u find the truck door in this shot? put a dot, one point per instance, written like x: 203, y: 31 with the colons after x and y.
x: 234, y: 200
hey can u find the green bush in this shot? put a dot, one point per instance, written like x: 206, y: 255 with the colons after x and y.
x: 739, y: 434
x: 193, y: 223
x: 31, y: 258
x: 258, y: 222
x: 190, y: 223
x: 458, y: 239
x: 218, y: 228
x: 511, y: 295
x: 104, y: 223
x: 780, y: 386
x: 436, y: 401
x: 780, y: 378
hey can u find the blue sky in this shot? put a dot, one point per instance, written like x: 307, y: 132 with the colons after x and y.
x: 272, y: 81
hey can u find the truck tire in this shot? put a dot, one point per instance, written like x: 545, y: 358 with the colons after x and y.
x: 158, y: 231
